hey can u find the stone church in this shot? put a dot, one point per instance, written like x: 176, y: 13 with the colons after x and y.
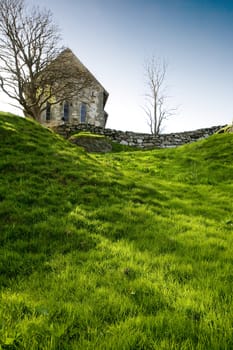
x: 85, y: 106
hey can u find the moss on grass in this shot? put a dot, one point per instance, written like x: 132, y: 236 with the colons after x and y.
x: 128, y: 250
x: 89, y: 137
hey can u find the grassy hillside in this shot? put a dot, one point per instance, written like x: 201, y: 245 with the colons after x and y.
x: 121, y: 251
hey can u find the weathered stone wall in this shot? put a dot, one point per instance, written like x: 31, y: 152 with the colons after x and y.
x: 87, y: 101
x: 139, y: 140
x: 93, y: 99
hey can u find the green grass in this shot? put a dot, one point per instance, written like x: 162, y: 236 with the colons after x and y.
x: 120, y: 251
x: 116, y: 147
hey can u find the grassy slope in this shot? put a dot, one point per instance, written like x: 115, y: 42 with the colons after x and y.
x: 116, y: 251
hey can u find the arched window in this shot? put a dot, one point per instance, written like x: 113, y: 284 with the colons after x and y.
x: 83, y: 112
x: 66, y: 111
x: 48, y: 112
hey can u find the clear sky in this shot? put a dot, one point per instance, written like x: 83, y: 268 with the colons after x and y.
x: 113, y: 38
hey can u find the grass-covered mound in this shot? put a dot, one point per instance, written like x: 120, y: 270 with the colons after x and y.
x: 227, y: 128
x: 95, y: 143
x: 91, y: 142
x: 115, y: 251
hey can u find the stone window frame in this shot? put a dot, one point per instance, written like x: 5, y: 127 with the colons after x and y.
x: 83, y: 112
x: 48, y: 112
x: 66, y: 111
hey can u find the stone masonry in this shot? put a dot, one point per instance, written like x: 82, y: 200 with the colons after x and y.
x: 139, y: 140
x: 86, y: 105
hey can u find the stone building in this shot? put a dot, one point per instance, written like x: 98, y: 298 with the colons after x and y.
x: 86, y: 105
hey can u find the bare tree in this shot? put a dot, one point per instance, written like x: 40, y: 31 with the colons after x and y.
x: 156, y: 98
x: 33, y: 70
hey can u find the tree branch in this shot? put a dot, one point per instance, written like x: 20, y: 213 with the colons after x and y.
x: 29, y: 70
x: 156, y: 110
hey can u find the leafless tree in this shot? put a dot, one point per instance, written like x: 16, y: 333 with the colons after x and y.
x: 156, y: 98
x: 33, y: 69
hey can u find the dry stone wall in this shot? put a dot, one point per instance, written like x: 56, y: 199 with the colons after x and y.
x: 139, y: 140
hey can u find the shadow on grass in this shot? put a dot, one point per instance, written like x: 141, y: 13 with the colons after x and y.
x: 45, y: 180
x: 42, y: 179
x: 95, y: 247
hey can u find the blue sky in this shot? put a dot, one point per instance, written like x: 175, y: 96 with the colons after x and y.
x: 114, y: 38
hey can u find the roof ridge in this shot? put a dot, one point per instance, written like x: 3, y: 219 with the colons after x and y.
x: 68, y: 51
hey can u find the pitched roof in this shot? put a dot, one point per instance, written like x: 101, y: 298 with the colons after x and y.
x: 68, y: 56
